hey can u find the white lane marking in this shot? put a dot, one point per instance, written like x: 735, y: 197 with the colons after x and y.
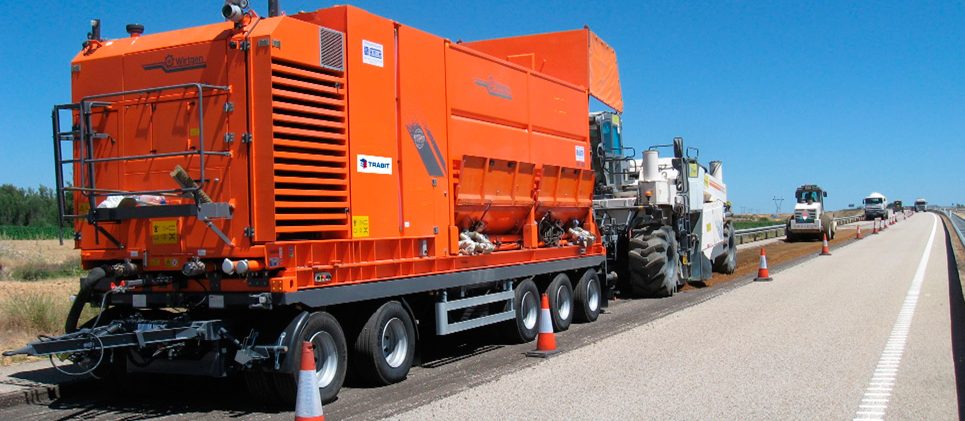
x: 883, y: 378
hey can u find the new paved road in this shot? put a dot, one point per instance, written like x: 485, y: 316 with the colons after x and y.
x: 863, y: 333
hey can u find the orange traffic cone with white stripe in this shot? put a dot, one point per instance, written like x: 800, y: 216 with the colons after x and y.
x: 308, y: 402
x: 545, y: 340
x: 762, y: 274
x: 825, y: 251
x: 875, y: 231
x: 858, y: 236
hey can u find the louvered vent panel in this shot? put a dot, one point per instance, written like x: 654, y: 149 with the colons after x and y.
x: 332, y: 45
x: 310, y: 152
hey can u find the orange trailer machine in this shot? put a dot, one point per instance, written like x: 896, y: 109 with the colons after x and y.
x: 330, y: 176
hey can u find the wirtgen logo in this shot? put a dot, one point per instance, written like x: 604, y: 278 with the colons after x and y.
x: 173, y: 63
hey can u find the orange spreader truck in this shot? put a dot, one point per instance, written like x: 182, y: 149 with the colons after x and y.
x: 330, y: 176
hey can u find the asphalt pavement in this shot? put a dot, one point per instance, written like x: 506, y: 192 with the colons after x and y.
x: 812, y: 344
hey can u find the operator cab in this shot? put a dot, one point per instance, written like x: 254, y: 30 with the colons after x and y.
x: 810, y: 194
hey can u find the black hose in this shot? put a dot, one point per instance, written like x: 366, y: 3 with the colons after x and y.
x: 86, y: 287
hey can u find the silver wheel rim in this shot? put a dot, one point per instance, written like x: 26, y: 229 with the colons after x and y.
x: 563, y: 302
x: 528, y: 310
x: 326, y: 358
x: 394, y: 342
x: 592, y: 294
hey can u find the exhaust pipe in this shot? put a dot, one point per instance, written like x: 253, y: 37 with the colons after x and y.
x: 95, y: 30
x: 273, y: 8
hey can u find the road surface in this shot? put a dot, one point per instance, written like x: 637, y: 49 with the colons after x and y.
x: 863, y: 333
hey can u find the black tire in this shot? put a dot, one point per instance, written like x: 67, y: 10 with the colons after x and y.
x: 653, y: 263
x: 726, y: 263
x: 526, y: 301
x: 331, y: 361
x: 560, y: 294
x: 791, y: 237
x: 385, y: 347
x: 587, y: 297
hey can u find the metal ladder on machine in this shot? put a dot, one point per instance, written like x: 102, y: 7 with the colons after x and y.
x: 77, y: 133
x: 82, y: 138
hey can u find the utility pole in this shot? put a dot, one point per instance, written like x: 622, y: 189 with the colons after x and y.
x: 777, y: 204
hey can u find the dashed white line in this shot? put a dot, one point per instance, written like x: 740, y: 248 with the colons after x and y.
x: 880, y: 387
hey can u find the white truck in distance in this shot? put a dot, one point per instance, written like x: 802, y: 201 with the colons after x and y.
x: 920, y: 205
x: 810, y: 218
x: 876, y: 206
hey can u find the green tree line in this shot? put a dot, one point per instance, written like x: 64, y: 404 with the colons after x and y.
x: 29, y: 207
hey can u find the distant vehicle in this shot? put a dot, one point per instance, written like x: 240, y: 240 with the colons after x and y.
x: 920, y: 205
x: 896, y: 206
x: 810, y: 218
x: 874, y: 206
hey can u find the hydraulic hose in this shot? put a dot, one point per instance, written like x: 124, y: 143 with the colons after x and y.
x: 86, y: 287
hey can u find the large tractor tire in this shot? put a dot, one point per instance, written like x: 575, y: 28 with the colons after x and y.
x: 727, y: 262
x: 653, y: 260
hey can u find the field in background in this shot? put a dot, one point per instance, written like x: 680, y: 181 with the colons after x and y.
x: 37, y: 280
x: 16, y: 232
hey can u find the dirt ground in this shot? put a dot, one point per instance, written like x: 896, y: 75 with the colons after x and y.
x: 777, y: 253
x: 14, y: 253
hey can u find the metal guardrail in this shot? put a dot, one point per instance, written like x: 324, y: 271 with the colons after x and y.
x: 952, y: 216
x: 749, y: 235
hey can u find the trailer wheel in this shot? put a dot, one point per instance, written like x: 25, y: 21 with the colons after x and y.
x: 653, y: 263
x: 526, y: 302
x: 385, y: 347
x: 560, y: 293
x: 331, y: 359
x: 726, y: 263
x: 587, y: 297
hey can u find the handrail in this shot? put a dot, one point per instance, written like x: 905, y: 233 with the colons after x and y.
x: 778, y: 229
x: 83, y: 133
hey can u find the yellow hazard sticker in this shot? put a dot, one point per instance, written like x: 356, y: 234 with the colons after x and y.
x: 194, y: 131
x: 709, y: 227
x: 164, y: 232
x: 360, y: 226
x: 693, y: 170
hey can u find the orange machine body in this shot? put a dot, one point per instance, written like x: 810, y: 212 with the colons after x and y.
x: 348, y: 147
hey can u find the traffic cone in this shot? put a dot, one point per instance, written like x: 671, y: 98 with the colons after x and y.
x: 762, y: 274
x: 875, y: 230
x: 308, y: 403
x: 858, y: 236
x: 825, y: 251
x: 545, y: 340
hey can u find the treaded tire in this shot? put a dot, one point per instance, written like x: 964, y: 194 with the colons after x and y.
x: 524, y: 327
x: 726, y: 263
x: 560, y: 293
x: 653, y: 263
x: 587, y: 297
x: 285, y: 384
x: 388, y: 329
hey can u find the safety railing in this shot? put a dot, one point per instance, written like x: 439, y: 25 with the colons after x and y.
x: 84, y: 160
x: 750, y: 235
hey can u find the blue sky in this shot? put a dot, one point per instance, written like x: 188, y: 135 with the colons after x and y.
x: 853, y: 96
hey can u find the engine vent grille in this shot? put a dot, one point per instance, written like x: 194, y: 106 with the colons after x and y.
x: 310, y: 152
x: 332, y: 48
